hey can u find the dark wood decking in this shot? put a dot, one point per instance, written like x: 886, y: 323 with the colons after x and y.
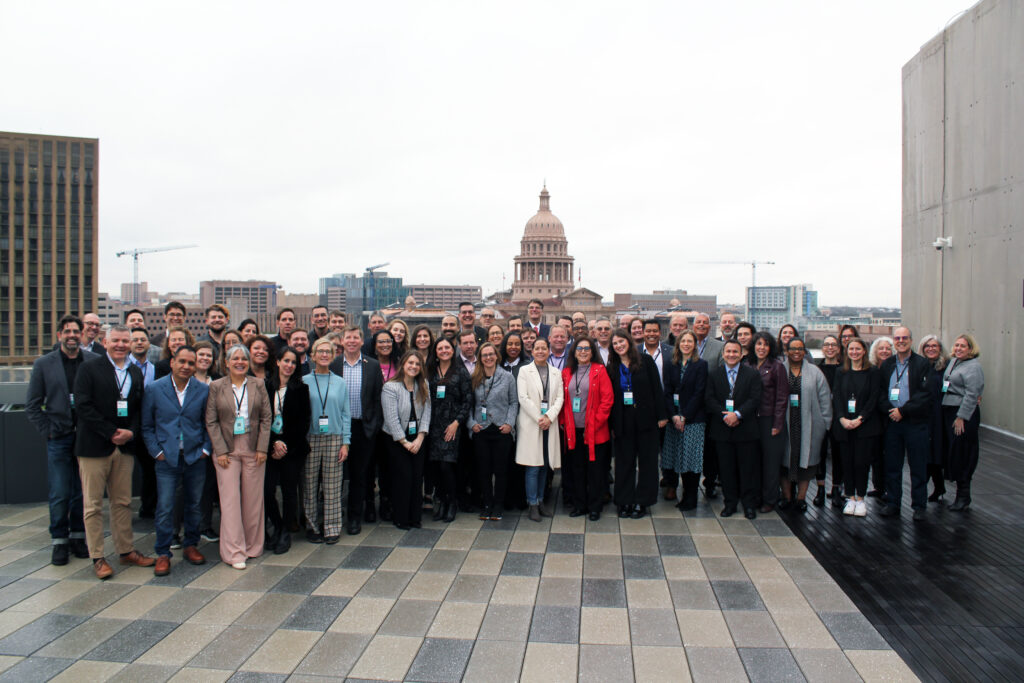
x: 947, y: 593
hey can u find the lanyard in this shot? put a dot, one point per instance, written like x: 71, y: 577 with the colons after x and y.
x: 682, y: 370
x: 899, y: 375
x: 120, y: 385
x: 489, y: 387
x: 544, y: 381
x: 625, y: 378
x: 240, y: 399
x: 412, y: 406
x: 586, y: 369
x: 280, y: 402
x: 323, y: 397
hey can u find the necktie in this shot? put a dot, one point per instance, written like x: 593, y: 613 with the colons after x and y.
x: 732, y: 380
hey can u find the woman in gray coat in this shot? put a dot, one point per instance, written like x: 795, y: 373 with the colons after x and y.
x: 495, y: 408
x: 807, y: 422
x: 962, y: 386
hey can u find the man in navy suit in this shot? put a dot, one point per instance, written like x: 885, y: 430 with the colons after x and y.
x: 535, y: 317
x: 174, y: 429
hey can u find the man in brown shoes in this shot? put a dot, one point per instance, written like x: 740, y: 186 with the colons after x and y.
x: 108, y: 398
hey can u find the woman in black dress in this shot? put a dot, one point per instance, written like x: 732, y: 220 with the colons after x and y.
x: 451, y: 397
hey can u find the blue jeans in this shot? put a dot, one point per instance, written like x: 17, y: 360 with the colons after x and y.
x: 65, y: 490
x: 190, y: 478
x: 536, y: 478
x: 913, y: 438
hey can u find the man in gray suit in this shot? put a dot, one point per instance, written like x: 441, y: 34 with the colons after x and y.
x: 711, y: 351
x: 51, y: 408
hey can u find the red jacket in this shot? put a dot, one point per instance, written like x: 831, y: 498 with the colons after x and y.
x: 599, y: 408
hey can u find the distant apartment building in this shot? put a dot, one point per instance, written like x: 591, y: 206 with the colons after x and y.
x: 243, y: 298
x: 666, y: 299
x: 444, y: 296
x: 49, y: 232
x: 769, y: 308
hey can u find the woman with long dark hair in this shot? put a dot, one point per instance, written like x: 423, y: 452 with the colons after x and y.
x: 383, y: 347
x: 856, y: 426
x: 451, y: 398
x: 422, y: 340
x: 771, y: 415
x: 685, y: 384
x: 538, y: 445
x: 261, y: 357
x: 513, y: 352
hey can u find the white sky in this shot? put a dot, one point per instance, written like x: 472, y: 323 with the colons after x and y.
x: 295, y: 141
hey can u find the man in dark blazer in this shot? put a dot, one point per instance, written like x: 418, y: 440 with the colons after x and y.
x: 535, y: 317
x: 108, y: 398
x: 467, y: 321
x: 53, y: 378
x: 174, y: 430
x: 661, y: 354
x: 732, y: 397
x: 363, y: 377
x: 906, y: 406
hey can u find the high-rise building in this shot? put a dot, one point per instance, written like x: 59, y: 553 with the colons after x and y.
x: 447, y: 297
x: 244, y: 298
x: 543, y: 268
x: 769, y: 308
x: 367, y: 292
x: 49, y: 187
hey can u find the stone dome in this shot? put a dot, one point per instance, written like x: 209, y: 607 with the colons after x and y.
x: 544, y: 223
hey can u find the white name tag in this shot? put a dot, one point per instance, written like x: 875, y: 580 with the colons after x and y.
x: 794, y: 400
x: 412, y: 427
x: 627, y: 398
x: 851, y: 406
x: 440, y: 390
x: 277, y: 425
x: 71, y: 397
x: 576, y: 403
x: 483, y: 413
x: 324, y: 424
x: 239, y: 425
x: 122, y: 408
x: 675, y: 400
x: 945, y: 386
x: 730, y: 405
x: 894, y: 394
x: 543, y: 407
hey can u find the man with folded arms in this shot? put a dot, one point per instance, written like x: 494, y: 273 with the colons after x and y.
x: 108, y: 397
x: 174, y: 429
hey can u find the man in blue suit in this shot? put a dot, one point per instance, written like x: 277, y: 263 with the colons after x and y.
x: 174, y: 429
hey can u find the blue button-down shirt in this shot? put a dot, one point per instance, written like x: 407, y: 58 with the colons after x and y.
x: 148, y: 371
x: 900, y: 376
x: 122, y: 376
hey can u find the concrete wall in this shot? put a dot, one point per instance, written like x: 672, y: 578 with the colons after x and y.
x: 963, y: 177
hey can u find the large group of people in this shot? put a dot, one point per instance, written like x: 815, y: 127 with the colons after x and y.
x: 476, y: 418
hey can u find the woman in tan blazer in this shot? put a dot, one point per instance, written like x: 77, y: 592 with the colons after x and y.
x: 238, y: 420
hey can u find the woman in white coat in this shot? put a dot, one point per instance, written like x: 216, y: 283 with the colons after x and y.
x: 537, y: 445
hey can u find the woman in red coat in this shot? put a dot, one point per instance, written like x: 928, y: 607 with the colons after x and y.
x: 584, y: 417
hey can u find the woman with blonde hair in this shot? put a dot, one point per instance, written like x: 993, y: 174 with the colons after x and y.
x: 405, y: 401
x: 963, y: 383
x: 933, y: 351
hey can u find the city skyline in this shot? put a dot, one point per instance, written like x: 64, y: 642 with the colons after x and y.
x: 774, y: 130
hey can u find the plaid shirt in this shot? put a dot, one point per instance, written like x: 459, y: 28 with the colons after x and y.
x: 353, y: 375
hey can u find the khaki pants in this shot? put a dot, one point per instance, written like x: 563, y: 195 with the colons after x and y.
x: 113, y: 473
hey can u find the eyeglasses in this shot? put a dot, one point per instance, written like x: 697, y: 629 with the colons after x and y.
x: 830, y: 344
x: 798, y: 349
x: 901, y: 338
x: 583, y: 348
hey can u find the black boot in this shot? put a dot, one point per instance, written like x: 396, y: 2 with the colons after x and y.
x: 691, y: 487
x: 449, y: 512
x: 837, y: 498
x: 284, y: 543
x: 963, y: 497
x: 439, y: 508
x: 819, y: 496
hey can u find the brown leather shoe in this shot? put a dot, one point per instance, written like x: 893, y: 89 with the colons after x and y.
x: 193, y: 555
x: 163, y: 566
x: 138, y: 559
x: 103, y: 569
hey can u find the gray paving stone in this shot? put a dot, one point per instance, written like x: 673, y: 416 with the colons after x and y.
x: 445, y: 561
x: 410, y: 618
x: 256, y: 677
x: 770, y: 665
x: 565, y: 543
x: 182, y: 572
x: 385, y: 584
x: 270, y: 610
x: 522, y: 564
x: 602, y: 567
x: 804, y: 569
x: 15, y: 592
x: 604, y: 593
x: 495, y: 661
x: 555, y: 624
x: 231, y: 648
x: 692, y: 595
x: 492, y: 539
x: 471, y: 588
x: 150, y: 673
x: 35, y: 669
x: 182, y: 605
x: 654, y: 627
x: 672, y: 526
x: 506, y: 622
x: 28, y: 564
x: 510, y: 521
x: 384, y: 536
x: 5, y: 579
x: 559, y: 591
x: 365, y: 557
x: 853, y: 631
x: 750, y: 546
x: 737, y: 595
x: 38, y: 633
x: 420, y: 538
x: 99, y: 597
x: 724, y: 569
x: 703, y: 509
x: 316, y: 613
x: 642, y: 567
x: 752, y: 628
x: 771, y: 526
x: 611, y: 663
x: 638, y: 544
x: 676, y: 545
x: 715, y: 664
x: 826, y: 666
x: 333, y: 655
x: 84, y: 637
x: 329, y: 556
x: 440, y: 660
x: 260, y: 578
x: 132, y: 641
x: 302, y: 580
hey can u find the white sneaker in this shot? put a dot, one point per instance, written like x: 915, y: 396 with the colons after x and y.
x: 239, y: 565
x: 850, y: 507
x: 862, y: 509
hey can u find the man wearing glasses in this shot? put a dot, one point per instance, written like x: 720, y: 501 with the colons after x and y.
x: 174, y: 316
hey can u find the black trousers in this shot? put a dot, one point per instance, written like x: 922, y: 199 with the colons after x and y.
x: 360, y: 455
x: 406, y: 470
x: 636, y: 464
x: 878, y: 472
x: 711, y: 474
x: 285, y: 473
x: 829, y: 443
x: 147, y: 469
x: 588, y: 476
x: 773, y: 452
x: 739, y: 466
x: 856, y: 456
x: 491, y: 449
x: 211, y: 494
x: 377, y: 469
x: 963, y: 449
x: 515, y: 491
x: 465, y: 472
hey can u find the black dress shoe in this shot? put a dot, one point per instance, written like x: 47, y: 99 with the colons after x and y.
x: 78, y: 548
x: 785, y: 503
x: 284, y: 544
x: 936, y: 496
x: 819, y: 497
x: 449, y: 513
x: 624, y: 511
x: 439, y: 507
x: 403, y: 527
x: 577, y: 513
x: 728, y: 511
x: 639, y: 512
x: 801, y: 505
x: 749, y: 513
x: 594, y: 516
x: 354, y: 527
x: 385, y: 511
x: 331, y: 540
x: 709, y: 493
x: 920, y: 515
x: 314, y: 536
x: 60, y: 555
x: 370, y: 514
x: 890, y: 511
x: 875, y: 493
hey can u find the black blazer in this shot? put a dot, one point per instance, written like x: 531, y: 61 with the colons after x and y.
x: 746, y: 400
x: 373, y: 383
x: 296, y: 413
x: 96, y: 399
x: 648, y: 396
x: 161, y: 368
x: 867, y: 394
x: 690, y: 387
x: 48, y: 387
x: 918, y: 407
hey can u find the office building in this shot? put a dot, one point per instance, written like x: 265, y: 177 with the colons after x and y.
x: 244, y: 298
x: 769, y: 308
x: 445, y: 297
x: 371, y: 291
x: 49, y: 189
x: 667, y: 299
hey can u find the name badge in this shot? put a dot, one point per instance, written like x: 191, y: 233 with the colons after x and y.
x: 412, y: 427
x: 675, y: 400
x: 894, y: 394
x: 239, y: 425
x: 543, y: 407
x: 122, y: 408
x: 277, y: 425
x: 440, y: 390
x: 627, y: 398
x: 71, y: 397
x: 794, y: 400
x: 323, y: 425
x: 730, y: 405
x: 945, y: 388
x: 576, y: 404
x: 851, y: 406
x: 483, y: 413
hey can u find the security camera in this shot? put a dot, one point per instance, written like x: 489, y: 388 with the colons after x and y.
x: 941, y: 243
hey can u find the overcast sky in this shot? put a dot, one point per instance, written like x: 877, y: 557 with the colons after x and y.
x: 294, y: 141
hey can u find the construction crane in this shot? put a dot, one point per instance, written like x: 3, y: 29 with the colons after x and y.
x: 753, y: 267
x: 134, y: 253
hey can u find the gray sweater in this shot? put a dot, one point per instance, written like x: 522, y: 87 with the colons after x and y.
x: 966, y: 384
x: 502, y: 401
x: 394, y: 400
